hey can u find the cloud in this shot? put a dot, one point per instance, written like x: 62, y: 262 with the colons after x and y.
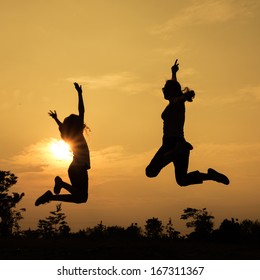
x: 248, y: 152
x: 206, y: 12
x: 239, y: 161
x: 246, y: 95
x: 167, y: 51
x: 108, y: 81
x: 115, y: 163
x: 250, y: 92
x: 104, y: 81
x: 112, y: 163
x: 34, y: 158
x: 124, y: 82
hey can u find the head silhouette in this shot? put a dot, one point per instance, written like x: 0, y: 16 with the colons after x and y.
x: 171, y: 89
x: 71, y: 127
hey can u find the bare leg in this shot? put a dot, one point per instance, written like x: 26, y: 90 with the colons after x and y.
x: 69, y: 198
x: 158, y: 162
x: 185, y: 178
x: 77, y: 195
x: 48, y: 196
x: 59, y: 184
x: 78, y: 189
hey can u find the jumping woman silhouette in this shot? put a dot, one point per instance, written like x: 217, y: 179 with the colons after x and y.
x: 72, y: 132
x: 174, y: 147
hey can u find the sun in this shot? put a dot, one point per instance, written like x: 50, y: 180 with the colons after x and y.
x: 60, y: 150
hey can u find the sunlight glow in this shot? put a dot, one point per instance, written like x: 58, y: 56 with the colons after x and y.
x: 61, y: 150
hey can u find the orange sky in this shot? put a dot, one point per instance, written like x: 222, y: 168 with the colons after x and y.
x: 121, y: 52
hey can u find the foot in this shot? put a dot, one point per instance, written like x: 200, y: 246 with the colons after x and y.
x: 44, y: 198
x: 218, y: 177
x: 58, y: 185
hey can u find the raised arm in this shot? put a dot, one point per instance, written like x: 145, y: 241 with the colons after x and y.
x: 53, y: 114
x: 175, y: 69
x: 188, y: 95
x: 81, y: 107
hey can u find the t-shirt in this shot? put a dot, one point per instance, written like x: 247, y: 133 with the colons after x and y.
x: 80, y: 151
x: 173, y: 119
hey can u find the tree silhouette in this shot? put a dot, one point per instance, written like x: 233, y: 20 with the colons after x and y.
x: 171, y: 232
x: 54, y: 225
x: 200, y: 220
x: 250, y: 230
x: 99, y: 230
x: 229, y: 230
x: 115, y: 231
x: 153, y: 228
x: 9, y: 216
x: 133, y: 231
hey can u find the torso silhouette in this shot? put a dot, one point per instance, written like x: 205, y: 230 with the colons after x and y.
x: 80, y: 150
x: 173, y: 119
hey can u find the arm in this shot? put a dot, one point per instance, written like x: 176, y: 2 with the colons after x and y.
x: 175, y: 69
x: 187, y: 96
x: 55, y: 117
x: 81, y: 107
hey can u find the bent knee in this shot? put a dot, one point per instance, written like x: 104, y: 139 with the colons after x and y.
x: 151, y: 173
x: 82, y: 198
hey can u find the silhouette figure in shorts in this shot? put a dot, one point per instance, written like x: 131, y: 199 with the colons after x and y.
x: 174, y: 147
x: 71, y: 130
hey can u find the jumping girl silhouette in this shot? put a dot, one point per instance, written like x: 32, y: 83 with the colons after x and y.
x: 174, y: 147
x: 72, y: 132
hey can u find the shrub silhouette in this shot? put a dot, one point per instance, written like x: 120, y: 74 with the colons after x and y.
x: 133, y: 231
x: 54, y: 225
x: 200, y: 220
x: 250, y: 230
x: 229, y: 230
x: 171, y: 232
x: 9, y: 216
x: 153, y: 228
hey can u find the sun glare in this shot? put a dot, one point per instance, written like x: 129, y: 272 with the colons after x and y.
x: 60, y: 150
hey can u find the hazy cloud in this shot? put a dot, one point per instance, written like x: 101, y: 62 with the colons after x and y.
x: 250, y: 92
x: 243, y: 95
x: 115, y: 163
x: 207, y: 12
x: 124, y: 82
x: 105, y: 81
x: 109, y: 163
x: 34, y: 158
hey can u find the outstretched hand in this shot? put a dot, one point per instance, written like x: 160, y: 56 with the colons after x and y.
x: 53, y: 114
x: 78, y: 87
x: 175, y: 67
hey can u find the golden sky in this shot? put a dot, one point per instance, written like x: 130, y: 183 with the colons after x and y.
x: 121, y: 52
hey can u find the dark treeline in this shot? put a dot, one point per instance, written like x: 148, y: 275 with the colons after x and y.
x: 53, y: 238
x: 230, y: 230
x: 200, y: 221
